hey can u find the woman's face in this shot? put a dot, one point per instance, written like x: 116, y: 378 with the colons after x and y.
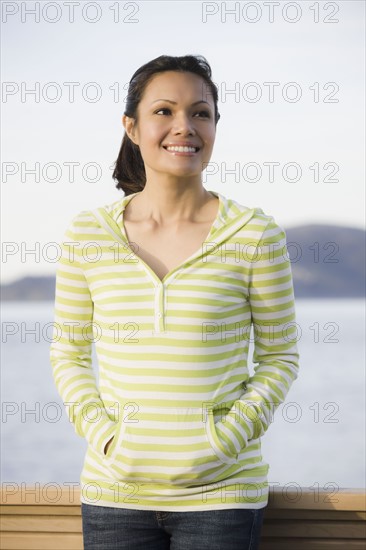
x: 176, y: 109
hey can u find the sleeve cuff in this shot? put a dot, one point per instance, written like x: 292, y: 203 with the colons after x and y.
x: 96, y: 426
x: 240, y: 425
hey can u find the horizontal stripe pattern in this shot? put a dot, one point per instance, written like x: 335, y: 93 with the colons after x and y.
x: 174, y: 389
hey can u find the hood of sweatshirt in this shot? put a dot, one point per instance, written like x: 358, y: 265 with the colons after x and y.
x: 230, y: 218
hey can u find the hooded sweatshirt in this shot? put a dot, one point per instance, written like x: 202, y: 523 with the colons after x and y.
x: 174, y: 389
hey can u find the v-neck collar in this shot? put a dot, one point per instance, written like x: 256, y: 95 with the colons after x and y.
x: 219, y: 219
x: 230, y: 217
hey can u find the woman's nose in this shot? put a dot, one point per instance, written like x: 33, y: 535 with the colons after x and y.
x: 183, y: 125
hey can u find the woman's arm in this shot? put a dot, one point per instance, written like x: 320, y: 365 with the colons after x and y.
x: 70, y: 352
x: 271, y: 297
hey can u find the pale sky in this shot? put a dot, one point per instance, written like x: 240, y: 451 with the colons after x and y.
x: 319, y: 137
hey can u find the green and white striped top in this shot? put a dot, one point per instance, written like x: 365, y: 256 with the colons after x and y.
x: 174, y: 388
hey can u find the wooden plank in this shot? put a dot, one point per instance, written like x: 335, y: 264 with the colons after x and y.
x: 39, y: 524
x: 279, y: 497
x: 275, y: 528
x: 302, y: 498
x: 314, y: 544
x: 20, y: 509
x: 318, y: 529
x: 45, y: 518
x: 313, y: 515
x: 270, y: 513
x: 39, y: 495
x: 41, y: 541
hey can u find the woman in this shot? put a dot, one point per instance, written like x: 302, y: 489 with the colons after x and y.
x: 167, y: 282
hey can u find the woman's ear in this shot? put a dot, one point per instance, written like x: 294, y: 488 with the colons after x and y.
x: 129, y: 126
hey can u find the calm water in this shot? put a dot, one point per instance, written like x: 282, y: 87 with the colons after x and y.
x: 317, y: 438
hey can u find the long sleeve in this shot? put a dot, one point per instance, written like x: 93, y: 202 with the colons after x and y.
x: 70, y: 351
x: 276, y: 357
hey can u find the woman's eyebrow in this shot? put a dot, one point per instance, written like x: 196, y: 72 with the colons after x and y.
x: 174, y: 102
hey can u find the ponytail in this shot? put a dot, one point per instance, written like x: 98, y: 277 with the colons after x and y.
x: 129, y: 168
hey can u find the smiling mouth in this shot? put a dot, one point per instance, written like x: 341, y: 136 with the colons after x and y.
x: 181, y: 149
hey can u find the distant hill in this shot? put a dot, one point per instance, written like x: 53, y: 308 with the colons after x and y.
x: 29, y: 289
x: 328, y: 261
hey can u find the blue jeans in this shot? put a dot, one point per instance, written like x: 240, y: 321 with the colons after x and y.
x: 107, y: 528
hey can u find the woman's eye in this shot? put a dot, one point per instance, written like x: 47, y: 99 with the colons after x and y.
x: 201, y: 113
x: 204, y: 113
x: 156, y: 112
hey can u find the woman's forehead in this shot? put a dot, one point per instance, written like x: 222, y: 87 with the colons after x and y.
x: 174, y: 85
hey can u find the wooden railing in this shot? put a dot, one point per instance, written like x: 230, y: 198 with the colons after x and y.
x: 45, y: 517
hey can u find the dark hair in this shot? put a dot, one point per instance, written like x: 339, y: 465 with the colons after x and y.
x: 129, y: 168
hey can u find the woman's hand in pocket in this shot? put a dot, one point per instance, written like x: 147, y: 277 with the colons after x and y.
x: 107, y: 445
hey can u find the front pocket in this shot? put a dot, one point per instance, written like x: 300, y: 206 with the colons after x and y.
x: 112, y: 449
x: 215, y: 442
x: 166, y: 446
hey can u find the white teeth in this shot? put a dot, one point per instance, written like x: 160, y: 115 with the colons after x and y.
x: 181, y: 149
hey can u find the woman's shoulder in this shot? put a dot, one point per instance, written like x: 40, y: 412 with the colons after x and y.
x: 87, y: 215
x: 234, y: 207
x: 251, y: 221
